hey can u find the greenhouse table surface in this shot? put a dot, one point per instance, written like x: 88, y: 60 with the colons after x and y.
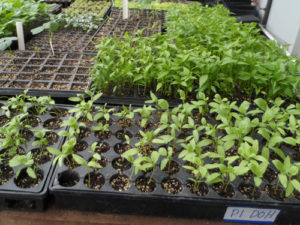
x: 53, y: 216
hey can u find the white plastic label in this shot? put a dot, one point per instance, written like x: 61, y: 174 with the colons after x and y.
x: 250, y: 215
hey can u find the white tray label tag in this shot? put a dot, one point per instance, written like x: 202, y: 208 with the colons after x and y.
x: 252, y: 215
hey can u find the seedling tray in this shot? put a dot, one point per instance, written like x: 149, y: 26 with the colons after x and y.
x: 55, y: 9
x: 64, y: 3
x: 61, y: 75
x: 63, y: 40
x: 115, y: 26
x: 157, y: 202
x: 247, y: 19
x: 13, y: 197
x: 134, y: 99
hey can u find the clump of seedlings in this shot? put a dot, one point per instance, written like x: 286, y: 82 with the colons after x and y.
x: 24, y: 139
x: 212, y: 143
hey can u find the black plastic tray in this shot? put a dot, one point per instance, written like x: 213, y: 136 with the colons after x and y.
x: 115, y: 26
x: 64, y: 40
x: 64, y: 3
x: 132, y: 201
x: 63, y: 75
x: 13, y: 197
x: 55, y: 8
x: 134, y: 101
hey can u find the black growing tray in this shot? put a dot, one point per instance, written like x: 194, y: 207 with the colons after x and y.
x: 115, y: 26
x: 134, y: 100
x: 55, y: 8
x: 158, y: 202
x: 13, y: 197
x: 64, y: 3
x: 65, y: 39
x: 63, y: 75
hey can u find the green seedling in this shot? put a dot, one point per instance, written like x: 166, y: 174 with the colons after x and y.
x: 168, y: 154
x: 146, y: 113
x: 66, y: 151
x: 41, y: 139
x: 103, y: 112
x: 91, y: 164
x: 25, y: 161
x: 84, y: 108
x: 74, y: 127
x: 102, y: 128
x: 127, y: 114
x: 287, y: 176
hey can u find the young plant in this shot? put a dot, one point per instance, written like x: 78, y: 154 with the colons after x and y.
x: 13, y: 134
x: 258, y: 169
x: 146, y: 113
x: 102, y: 128
x: 25, y: 161
x: 84, y: 108
x: 287, y: 176
x: 273, y: 119
x: 64, y: 153
x: 103, y: 112
x: 142, y: 163
x: 201, y: 105
x: 168, y: 154
x: 193, y: 146
x: 241, y: 128
x: 223, y: 109
x: 41, y: 104
x: 41, y: 139
x: 227, y: 171
x: 74, y: 127
x: 258, y: 164
x: 17, y: 104
x: 91, y: 164
x: 127, y: 114
x: 199, y: 169
x: 160, y: 104
x: 146, y: 142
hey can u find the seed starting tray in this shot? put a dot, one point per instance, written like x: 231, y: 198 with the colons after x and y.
x: 157, y: 202
x: 61, y: 75
x: 150, y: 20
x: 65, y: 3
x: 34, y: 198
x: 63, y: 40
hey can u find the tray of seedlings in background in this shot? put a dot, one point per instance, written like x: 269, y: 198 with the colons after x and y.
x: 28, y: 126
x: 201, y: 156
x: 59, y: 75
x: 150, y: 21
x: 63, y: 40
x: 100, y: 8
x: 64, y: 3
x: 84, y: 16
x: 55, y: 8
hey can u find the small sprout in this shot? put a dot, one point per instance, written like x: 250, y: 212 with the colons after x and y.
x: 168, y: 157
x: 91, y: 164
x: 101, y: 128
x: 84, y: 108
x: 66, y: 151
x: 41, y: 139
x: 25, y: 161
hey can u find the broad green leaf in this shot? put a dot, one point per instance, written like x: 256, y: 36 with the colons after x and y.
x: 283, y: 180
x: 31, y: 172
x: 54, y: 151
x: 79, y: 160
x: 261, y: 103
